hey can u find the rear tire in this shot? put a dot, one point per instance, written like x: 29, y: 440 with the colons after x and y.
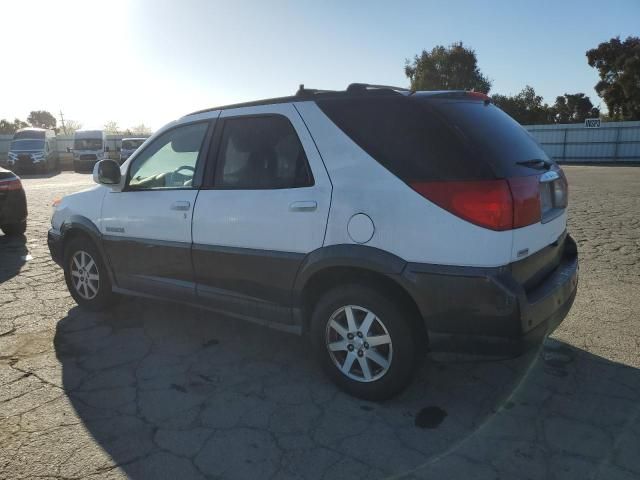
x: 364, y: 341
x: 86, y: 275
x: 15, y: 228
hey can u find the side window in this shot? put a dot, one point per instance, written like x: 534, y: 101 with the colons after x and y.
x: 169, y: 161
x: 261, y: 153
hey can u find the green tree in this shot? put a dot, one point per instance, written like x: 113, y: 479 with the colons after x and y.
x: 447, y: 68
x: 618, y: 63
x: 41, y: 119
x: 141, y: 129
x: 9, y: 128
x: 574, y: 108
x: 526, y: 107
x: 112, y: 127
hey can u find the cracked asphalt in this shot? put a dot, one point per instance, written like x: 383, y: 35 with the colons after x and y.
x: 153, y: 390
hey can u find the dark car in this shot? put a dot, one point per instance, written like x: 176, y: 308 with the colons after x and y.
x: 13, y: 204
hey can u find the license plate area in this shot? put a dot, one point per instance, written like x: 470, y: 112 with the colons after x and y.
x: 553, y: 195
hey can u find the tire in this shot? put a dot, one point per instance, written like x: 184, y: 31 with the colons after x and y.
x: 391, y: 323
x: 86, y: 275
x: 15, y: 228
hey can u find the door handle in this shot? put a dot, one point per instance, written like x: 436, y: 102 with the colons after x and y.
x: 181, y: 205
x: 306, y: 206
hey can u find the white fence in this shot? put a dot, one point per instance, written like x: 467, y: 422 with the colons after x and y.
x: 612, y: 142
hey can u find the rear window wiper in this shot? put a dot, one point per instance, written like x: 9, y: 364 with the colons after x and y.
x: 537, y: 163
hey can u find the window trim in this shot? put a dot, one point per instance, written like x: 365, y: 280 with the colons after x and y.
x: 213, y: 159
x: 200, y: 160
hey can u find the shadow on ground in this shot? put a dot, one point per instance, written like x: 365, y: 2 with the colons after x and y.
x: 172, y: 392
x: 13, y: 255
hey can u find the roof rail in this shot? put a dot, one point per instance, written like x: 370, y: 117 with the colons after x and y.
x: 361, y: 87
x: 306, y: 92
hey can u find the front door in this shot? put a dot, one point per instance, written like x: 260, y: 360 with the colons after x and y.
x: 263, y: 210
x: 146, y: 227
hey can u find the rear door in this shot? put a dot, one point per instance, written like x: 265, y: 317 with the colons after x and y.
x: 264, y: 208
x: 147, y: 227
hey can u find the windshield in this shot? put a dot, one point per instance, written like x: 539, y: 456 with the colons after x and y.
x: 24, y: 145
x: 87, y: 144
x: 131, y: 144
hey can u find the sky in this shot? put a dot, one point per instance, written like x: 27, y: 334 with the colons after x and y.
x: 153, y: 61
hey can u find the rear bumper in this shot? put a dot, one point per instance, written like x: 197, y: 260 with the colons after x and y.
x: 462, y: 305
x: 13, y: 207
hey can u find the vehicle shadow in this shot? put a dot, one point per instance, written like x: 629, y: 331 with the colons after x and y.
x: 174, y: 392
x: 13, y: 255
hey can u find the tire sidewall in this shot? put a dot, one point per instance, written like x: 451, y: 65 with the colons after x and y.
x: 105, y: 294
x: 397, y: 323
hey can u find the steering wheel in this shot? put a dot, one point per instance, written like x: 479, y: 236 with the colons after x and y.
x: 179, y: 169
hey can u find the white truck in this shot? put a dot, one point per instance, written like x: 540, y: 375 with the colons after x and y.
x: 89, y: 147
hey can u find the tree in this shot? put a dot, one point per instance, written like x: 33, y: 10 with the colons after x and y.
x: 112, y: 127
x: 71, y: 126
x: 41, y: 119
x: 618, y: 63
x: 447, y: 68
x: 141, y: 129
x: 574, y: 108
x: 9, y: 128
x: 526, y: 107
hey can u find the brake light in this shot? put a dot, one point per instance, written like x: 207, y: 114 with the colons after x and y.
x: 479, y: 95
x: 526, y: 200
x: 13, y: 184
x: 494, y: 204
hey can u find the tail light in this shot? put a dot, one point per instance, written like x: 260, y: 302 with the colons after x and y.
x: 494, y: 204
x: 11, y: 184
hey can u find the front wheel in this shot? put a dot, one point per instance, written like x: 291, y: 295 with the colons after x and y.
x: 364, y: 341
x: 86, y: 275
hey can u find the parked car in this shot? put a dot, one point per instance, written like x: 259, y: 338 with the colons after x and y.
x: 373, y: 220
x: 129, y: 145
x: 13, y: 204
x: 89, y: 147
x: 33, y: 150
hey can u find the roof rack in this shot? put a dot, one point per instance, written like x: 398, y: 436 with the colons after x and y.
x: 308, y: 93
x: 362, y: 87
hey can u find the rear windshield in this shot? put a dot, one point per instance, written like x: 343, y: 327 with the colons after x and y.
x: 131, y: 144
x: 492, y: 135
x: 420, y: 139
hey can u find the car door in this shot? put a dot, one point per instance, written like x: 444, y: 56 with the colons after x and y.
x: 146, y: 227
x: 263, y: 208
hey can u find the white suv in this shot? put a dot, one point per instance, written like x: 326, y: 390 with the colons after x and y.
x: 375, y: 220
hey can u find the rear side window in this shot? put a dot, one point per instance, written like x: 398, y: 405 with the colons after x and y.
x: 262, y: 152
x: 407, y: 137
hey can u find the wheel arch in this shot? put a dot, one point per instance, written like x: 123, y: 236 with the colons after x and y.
x: 79, y: 226
x: 327, y: 267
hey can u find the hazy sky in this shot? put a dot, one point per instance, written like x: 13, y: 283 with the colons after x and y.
x: 153, y: 61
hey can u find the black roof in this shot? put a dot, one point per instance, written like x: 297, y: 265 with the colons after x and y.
x: 314, y: 94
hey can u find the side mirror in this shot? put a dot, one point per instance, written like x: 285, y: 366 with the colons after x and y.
x: 107, y: 172
x: 68, y: 149
x: 106, y: 149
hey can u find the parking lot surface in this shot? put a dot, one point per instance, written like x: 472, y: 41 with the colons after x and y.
x: 156, y: 390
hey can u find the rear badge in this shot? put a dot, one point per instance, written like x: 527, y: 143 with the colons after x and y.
x: 523, y: 252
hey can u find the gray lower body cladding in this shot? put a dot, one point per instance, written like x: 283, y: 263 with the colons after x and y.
x: 517, y: 301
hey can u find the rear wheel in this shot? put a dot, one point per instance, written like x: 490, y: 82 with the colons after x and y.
x: 364, y: 341
x: 15, y: 228
x: 86, y: 275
